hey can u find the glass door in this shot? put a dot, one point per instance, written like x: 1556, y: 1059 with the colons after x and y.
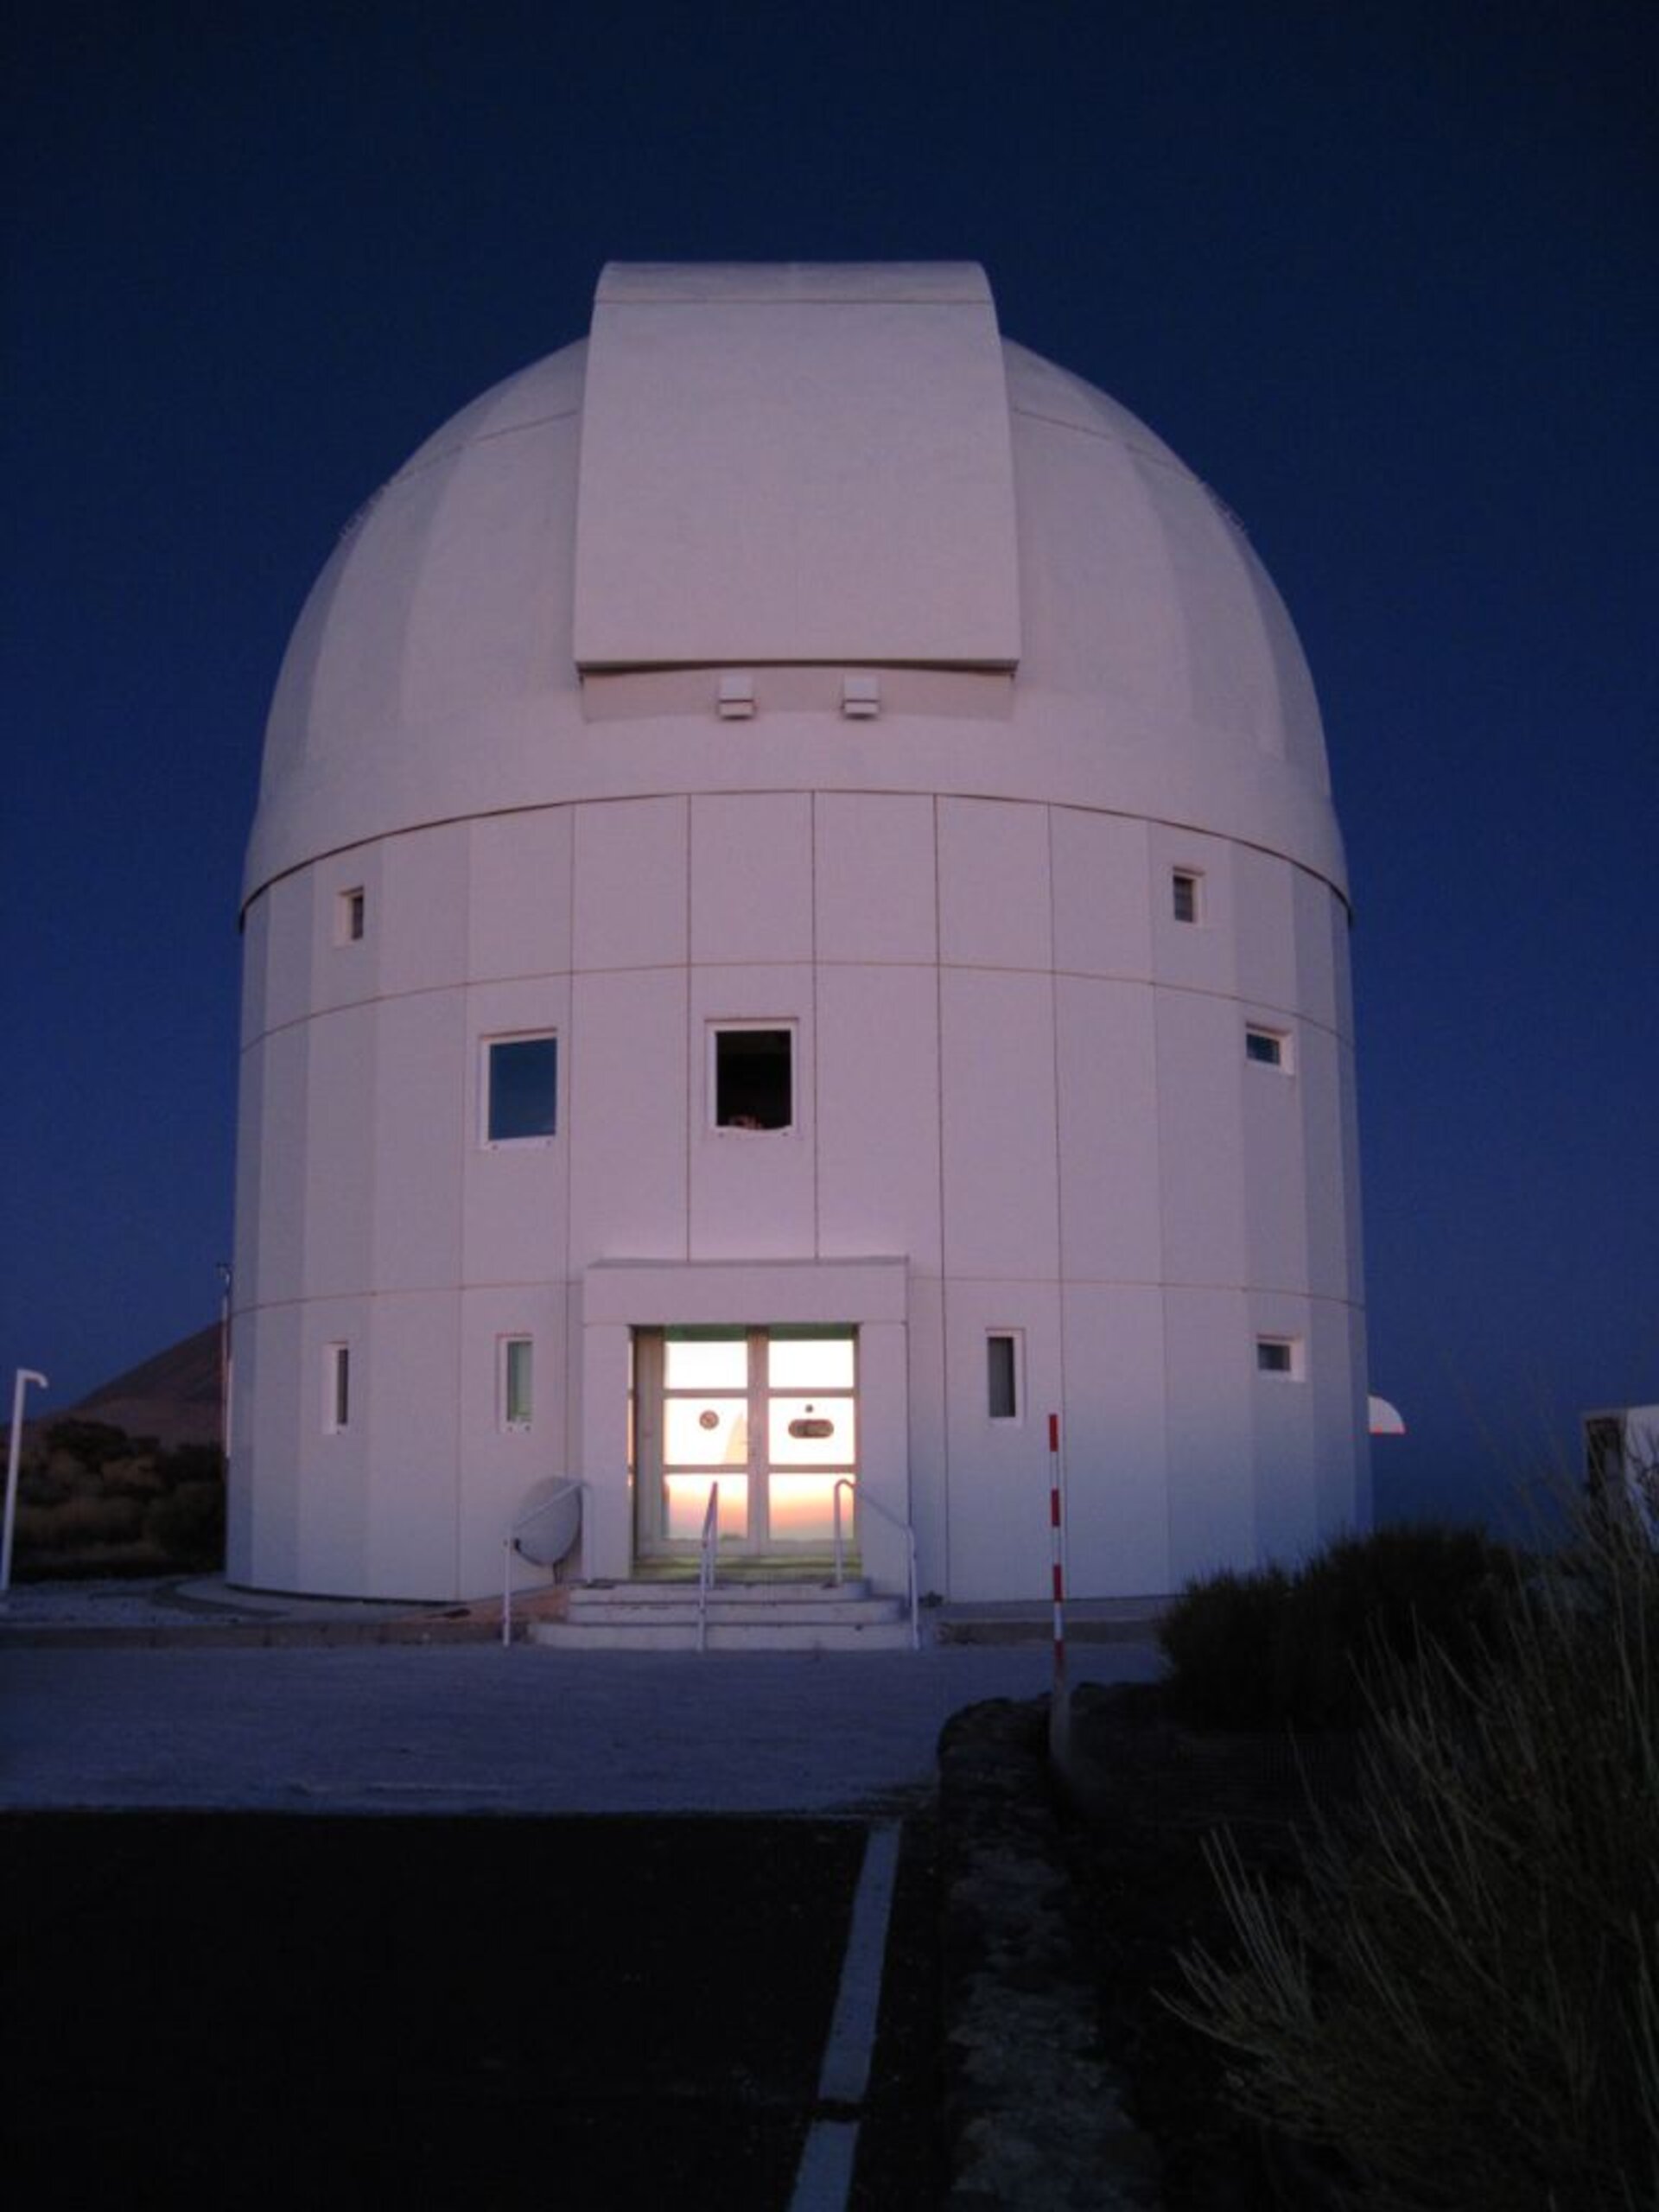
x: 768, y: 1417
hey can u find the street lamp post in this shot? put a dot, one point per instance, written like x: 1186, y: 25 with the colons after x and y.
x: 20, y: 1381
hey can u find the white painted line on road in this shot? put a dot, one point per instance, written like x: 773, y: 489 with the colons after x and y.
x: 823, y: 2180
x: 846, y: 2071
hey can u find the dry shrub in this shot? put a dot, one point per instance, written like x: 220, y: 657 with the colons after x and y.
x: 188, y: 1524
x: 84, y: 1520
x: 1460, y: 1996
x: 1316, y: 1648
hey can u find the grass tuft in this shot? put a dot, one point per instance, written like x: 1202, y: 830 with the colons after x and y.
x: 1459, y: 1995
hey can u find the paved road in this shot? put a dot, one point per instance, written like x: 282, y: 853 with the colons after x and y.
x: 476, y: 1728
x: 223, y: 1999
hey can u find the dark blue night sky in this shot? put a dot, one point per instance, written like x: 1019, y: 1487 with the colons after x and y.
x: 1384, y: 275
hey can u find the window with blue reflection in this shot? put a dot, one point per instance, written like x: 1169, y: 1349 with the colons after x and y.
x: 522, y: 1090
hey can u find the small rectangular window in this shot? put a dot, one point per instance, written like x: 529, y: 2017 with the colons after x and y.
x: 1271, y: 1048
x: 1002, y: 1375
x: 516, y: 1360
x: 753, y: 1076
x: 337, y: 1388
x: 521, y: 1090
x: 1185, y: 894
x: 351, y: 913
x: 1278, y: 1355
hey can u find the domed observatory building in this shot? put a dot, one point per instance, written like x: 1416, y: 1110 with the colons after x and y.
x: 795, y: 928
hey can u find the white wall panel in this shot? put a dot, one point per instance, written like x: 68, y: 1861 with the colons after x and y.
x: 1208, y: 1374
x: 929, y: 1492
x: 290, y: 954
x: 874, y: 877
x: 1274, y: 1184
x: 1115, y: 1447
x: 883, y: 1450
x: 1318, y: 997
x: 1284, y: 1435
x: 518, y: 902
x: 631, y: 860
x: 752, y: 877
x: 994, y: 885
x: 1200, y: 1148
x: 629, y: 1196
x: 1000, y: 1152
x: 339, y: 1167
x: 1265, y: 924
x: 413, y: 1409
x: 256, y: 958
x: 263, y: 1488
x: 418, y: 922
x: 420, y: 1139
x: 1110, y: 1230
x: 277, y: 1271
x: 1103, y: 911
x: 877, y: 1063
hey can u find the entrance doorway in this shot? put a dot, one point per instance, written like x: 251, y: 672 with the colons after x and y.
x: 768, y: 1417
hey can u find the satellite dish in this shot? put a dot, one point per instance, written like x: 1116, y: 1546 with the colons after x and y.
x: 1385, y: 1422
x: 549, y: 1521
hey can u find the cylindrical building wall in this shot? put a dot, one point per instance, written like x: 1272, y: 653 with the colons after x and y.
x: 1039, y: 966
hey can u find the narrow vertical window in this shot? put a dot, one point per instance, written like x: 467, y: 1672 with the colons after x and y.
x: 351, y: 911
x: 337, y: 1388
x: 521, y: 1090
x: 1185, y: 894
x: 1002, y: 1375
x: 517, y: 1364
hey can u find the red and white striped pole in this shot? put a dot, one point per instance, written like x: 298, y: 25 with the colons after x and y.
x: 1059, y: 1704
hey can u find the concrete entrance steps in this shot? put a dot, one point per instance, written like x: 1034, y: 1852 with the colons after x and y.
x: 771, y: 1616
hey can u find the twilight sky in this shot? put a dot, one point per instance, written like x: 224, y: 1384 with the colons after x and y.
x: 1384, y: 275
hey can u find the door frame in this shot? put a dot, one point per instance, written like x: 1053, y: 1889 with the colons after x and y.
x: 763, y: 1465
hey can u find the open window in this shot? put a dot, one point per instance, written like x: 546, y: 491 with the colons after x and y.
x: 1280, y: 1357
x: 521, y: 1090
x: 751, y: 1075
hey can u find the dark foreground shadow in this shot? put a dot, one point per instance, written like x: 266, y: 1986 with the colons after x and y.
x: 229, y: 2009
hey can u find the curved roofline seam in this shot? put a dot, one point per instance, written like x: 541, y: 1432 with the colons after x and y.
x: 1110, y: 435
x: 768, y: 790
x: 414, y: 466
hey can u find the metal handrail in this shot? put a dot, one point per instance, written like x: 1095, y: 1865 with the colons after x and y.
x: 708, y: 1555
x: 846, y: 1482
x: 510, y: 1544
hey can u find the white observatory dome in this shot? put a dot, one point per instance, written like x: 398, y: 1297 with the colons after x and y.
x: 436, y: 669
x: 796, y: 982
